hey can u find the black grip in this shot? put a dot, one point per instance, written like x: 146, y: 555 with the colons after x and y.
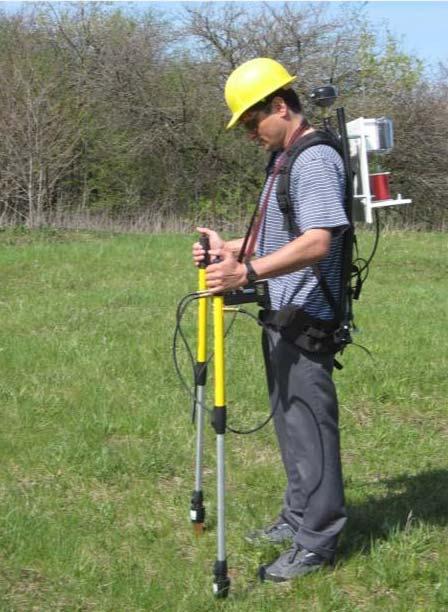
x: 205, y: 244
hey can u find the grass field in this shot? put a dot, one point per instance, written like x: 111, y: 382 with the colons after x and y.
x: 97, y: 446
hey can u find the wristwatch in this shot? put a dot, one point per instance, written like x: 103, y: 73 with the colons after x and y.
x: 252, y: 276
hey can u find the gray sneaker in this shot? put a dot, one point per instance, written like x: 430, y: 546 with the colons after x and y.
x: 293, y: 563
x: 278, y: 533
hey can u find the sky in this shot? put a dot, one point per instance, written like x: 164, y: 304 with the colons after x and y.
x: 421, y: 27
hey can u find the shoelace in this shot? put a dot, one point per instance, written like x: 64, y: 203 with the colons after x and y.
x: 275, y: 527
x: 294, y: 552
x: 306, y: 557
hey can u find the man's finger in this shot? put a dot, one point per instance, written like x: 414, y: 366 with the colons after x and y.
x: 212, y: 268
x: 204, y: 230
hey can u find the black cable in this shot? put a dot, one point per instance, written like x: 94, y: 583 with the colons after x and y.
x: 198, y: 373
x: 182, y: 307
x: 366, y: 350
x: 361, y: 266
x: 377, y: 237
x: 273, y: 410
x: 187, y: 299
x: 375, y: 245
x: 359, y: 275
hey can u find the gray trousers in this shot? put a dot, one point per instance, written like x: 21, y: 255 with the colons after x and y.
x: 303, y: 395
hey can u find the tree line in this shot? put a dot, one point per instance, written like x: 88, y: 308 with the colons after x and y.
x: 121, y: 112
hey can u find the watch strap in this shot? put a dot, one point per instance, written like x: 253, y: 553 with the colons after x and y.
x: 252, y: 276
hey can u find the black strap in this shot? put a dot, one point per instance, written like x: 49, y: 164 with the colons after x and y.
x: 337, y: 310
x: 318, y: 137
x: 306, y: 332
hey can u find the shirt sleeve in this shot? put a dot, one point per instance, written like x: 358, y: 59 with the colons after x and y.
x: 318, y: 189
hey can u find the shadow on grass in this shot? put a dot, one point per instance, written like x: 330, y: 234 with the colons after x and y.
x: 422, y: 497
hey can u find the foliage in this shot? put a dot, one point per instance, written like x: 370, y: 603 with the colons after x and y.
x: 112, y: 109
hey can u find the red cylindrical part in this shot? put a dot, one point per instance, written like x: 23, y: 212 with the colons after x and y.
x: 379, y: 185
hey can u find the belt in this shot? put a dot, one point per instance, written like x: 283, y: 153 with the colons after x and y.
x: 296, y: 326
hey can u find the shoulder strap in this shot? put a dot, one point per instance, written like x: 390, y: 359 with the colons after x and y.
x: 271, y: 163
x: 336, y: 308
x: 318, y: 137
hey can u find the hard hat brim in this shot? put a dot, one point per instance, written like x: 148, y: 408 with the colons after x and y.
x: 236, y: 116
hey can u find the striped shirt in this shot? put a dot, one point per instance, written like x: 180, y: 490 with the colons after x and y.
x: 317, y: 189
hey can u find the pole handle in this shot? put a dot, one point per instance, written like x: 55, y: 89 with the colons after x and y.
x: 204, y: 241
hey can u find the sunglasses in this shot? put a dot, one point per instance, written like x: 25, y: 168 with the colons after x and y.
x: 250, y: 121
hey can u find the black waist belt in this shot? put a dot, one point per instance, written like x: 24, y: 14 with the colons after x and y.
x: 309, y: 333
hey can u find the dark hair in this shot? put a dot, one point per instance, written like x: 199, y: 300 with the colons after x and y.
x: 290, y: 97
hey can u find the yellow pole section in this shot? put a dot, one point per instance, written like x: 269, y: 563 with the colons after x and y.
x: 218, y: 330
x: 202, y: 320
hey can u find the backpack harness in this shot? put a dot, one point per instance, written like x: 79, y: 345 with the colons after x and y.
x: 294, y: 324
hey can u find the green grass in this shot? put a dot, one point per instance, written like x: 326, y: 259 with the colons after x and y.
x: 97, y: 446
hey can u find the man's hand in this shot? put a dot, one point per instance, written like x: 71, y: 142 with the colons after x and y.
x: 216, y: 244
x: 227, y: 274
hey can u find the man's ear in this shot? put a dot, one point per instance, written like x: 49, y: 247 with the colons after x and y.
x: 279, y: 106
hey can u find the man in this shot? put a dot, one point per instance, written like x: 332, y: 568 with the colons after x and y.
x: 301, y: 389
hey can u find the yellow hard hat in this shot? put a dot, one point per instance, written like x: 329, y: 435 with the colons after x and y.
x: 251, y: 82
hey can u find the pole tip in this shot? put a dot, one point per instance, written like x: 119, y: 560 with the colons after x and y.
x: 198, y: 529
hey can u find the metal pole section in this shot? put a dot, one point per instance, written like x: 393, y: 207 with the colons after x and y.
x: 221, y: 583
x: 220, y: 484
x: 197, y: 509
x: 200, y: 394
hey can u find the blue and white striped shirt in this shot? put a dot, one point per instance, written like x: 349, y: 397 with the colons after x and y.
x: 317, y: 189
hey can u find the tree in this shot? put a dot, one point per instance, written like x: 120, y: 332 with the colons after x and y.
x: 103, y: 109
x: 39, y: 144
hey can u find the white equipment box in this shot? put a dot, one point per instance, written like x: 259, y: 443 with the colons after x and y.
x: 370, y: 136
